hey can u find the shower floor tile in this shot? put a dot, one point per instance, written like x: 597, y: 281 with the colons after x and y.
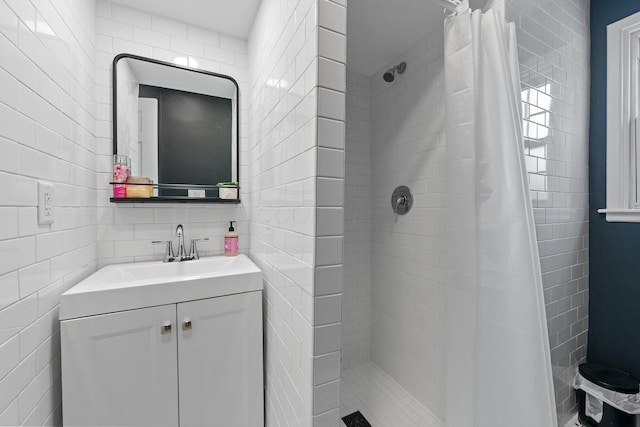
x: 383, y: 402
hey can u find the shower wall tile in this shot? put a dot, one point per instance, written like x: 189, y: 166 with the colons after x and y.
x: 329, y: 280
x: 331, y: 104
x: 332, y: 45
x: 407, y: 148
x: 330, y: 163
x: 328, y: 250
x: 329, y: 221
x: 332, y: 16
x: 356, y: 297
x: 330, y: 192
x: 327, y: 419
x: 554, y: 45
x: 331, y: 81
x: 331, y: 74
x: 47, y: 132
x: 301, y: 302
x: 121, y: 29
x: 331, y: 133
x: 327, y: 396
x: 327, y: 309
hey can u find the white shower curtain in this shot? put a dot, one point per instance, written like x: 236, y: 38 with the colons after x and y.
x: 498, y: 370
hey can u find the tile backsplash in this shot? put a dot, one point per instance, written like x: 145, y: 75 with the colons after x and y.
x: 125, y: 232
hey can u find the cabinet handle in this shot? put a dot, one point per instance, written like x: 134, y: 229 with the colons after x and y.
x: 186, y: 325
x: 166, y: 328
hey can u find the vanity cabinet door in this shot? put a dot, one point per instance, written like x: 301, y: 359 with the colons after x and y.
x: 121, y: 369
x: 220, y: 361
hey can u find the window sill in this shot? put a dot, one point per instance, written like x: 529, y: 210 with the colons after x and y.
x: 621, y: 215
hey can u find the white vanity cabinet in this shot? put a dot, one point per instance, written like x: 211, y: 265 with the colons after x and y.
x: 133, y: 367
x: 195, y: 362
x: 119, y: 369
x: 220, y: 361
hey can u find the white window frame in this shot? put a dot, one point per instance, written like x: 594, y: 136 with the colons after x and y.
x: 623, y: 152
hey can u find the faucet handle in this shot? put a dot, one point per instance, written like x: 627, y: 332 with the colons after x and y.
x: 193, y: 252
x: 168, y: 251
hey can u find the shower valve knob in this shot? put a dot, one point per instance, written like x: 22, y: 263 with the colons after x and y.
x: 401, y: 200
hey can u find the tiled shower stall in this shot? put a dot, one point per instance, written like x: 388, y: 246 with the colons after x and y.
x: 393, y: 290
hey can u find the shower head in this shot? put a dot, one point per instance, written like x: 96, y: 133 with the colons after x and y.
x: 390, y: 75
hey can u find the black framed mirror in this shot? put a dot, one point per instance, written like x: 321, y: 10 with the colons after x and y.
x: 178, y: 130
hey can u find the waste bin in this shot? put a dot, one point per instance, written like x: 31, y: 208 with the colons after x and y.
x: 607, y: 397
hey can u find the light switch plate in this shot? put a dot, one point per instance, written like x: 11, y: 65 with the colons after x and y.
x: 45, y: 202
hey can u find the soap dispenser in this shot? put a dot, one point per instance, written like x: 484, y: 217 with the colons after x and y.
x: 231, y: 241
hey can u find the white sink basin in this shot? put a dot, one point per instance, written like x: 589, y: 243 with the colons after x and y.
x: 130, y: 286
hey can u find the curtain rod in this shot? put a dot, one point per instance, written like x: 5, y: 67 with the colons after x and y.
x: 450, y: 5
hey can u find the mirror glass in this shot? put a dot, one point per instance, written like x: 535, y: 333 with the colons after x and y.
x: 178, y: 126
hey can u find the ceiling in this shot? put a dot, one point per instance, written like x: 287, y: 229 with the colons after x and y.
x: 378, y: 30
x: 231, y: 17
x: 381, y: 30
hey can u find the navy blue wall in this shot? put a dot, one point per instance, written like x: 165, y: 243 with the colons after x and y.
x: 614, y: 248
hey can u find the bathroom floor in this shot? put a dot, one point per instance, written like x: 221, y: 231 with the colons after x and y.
x: 382, y: 401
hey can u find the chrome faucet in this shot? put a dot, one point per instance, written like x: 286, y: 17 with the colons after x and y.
x: 182, y: 253
x: 170, y: 256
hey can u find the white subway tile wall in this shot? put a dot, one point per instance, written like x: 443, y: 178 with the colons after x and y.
x: 554, y: 46
x: 332, y: 86
x: 407, y: 147
x: 283, y: 157
x: 125, y: 232
x: 297, y: 187
x: 356, y: 297
x: 47, y: 132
